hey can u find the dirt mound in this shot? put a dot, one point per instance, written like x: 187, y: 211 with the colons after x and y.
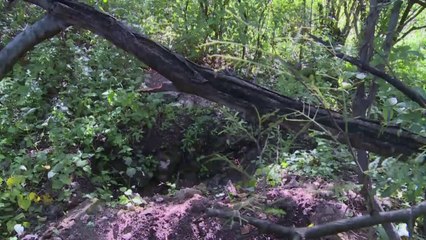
x: 182, y: 216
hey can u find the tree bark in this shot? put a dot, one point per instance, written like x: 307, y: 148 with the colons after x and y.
x: 362, y: 101
x: 343, y: 225
x: 44, y: 29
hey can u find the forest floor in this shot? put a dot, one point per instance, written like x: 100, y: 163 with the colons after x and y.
x: 180, y: 214
x: 166, y: 212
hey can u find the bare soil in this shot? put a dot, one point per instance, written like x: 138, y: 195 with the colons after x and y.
x: 297, y: 202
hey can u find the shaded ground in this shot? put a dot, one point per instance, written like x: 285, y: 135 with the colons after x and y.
x: 298, y: 202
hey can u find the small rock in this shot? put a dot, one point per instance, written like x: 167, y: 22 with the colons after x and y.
x: 245, y: 229
x: 220, y: 195
x: 186, y: 193
x: 230, y: 189
x: 127, y: 236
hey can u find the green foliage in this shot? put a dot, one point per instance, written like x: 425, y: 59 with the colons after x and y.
x: 404, y: 180
x: 68, y: 112
x: 129, y: 198
x: 275, y: 212
x: 274, y: 159
x: 70, y: 108
x: 201, y: 126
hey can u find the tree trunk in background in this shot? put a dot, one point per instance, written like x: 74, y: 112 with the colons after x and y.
x: 363, y: 100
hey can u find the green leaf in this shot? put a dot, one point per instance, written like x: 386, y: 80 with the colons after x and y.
x: 24, y: 202
x: 81, y: 163
x: 387, y: 113
x: 128, y: 161
x: 131, y: 172
x: 128, y: 192
x: 65, y: 179
x: 138, y: 200
x: 10, y: 224
x: 123, y: 200
x: 14, y: 180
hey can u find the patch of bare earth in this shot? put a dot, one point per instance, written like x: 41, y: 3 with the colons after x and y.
x: 181, y: 216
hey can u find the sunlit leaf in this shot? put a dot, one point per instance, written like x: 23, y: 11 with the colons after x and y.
x: 361, y: 75
x: 138, y: 200
x: 32, y: 196
x: 46, y: 199
x: 14, y: 180
x: 24, y: 202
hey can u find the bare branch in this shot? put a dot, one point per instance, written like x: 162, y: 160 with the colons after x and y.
x: 421, y: 3
x: 263, y: 225
x: 406, y: 19
x: 404, y: 16
x: 343, y: 225
x: 398, y: 84
x: 415, y: 14
x: 43, y: 29
x: 409, y: 31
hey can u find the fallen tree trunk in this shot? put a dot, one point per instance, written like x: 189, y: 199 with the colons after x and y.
x: 343, y: 225
x: 231, y: 91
